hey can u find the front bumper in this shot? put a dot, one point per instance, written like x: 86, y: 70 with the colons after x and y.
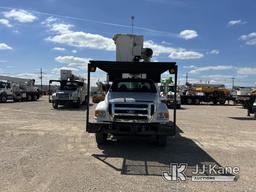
x: 121, y: 128
x: 64, y: 102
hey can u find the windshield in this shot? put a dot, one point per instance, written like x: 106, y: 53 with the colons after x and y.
x: 134, y: 85
x: 69, y: 86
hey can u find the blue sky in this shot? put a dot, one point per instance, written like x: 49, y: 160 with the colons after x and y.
x: 210, y: 40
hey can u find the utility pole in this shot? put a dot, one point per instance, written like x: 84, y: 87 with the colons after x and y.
x: 41, y: 78
x: 233, y: 82
x: 132, y: 19
x: 186, y: 77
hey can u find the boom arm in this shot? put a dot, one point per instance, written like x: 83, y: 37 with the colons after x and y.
x: 17, y: 80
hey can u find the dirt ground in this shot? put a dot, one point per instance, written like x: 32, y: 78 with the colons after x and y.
x: 42, y: 149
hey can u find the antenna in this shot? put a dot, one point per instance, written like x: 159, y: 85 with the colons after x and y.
x: 132, y: 20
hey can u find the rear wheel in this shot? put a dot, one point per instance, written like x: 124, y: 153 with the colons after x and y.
x: 35, y: 97
x: 29, y: 97
x: 161, y: 140
x: 101, y: 138
x: 197, y: 101
x: 189, y: 101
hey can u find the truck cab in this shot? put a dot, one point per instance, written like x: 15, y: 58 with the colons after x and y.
x: 167, y: 96
x: 5, y: 91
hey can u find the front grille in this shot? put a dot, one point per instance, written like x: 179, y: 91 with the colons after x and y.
x: 132, y: 111
x: 63, y: 96
x: 132, y: 105
x: 123, y: 117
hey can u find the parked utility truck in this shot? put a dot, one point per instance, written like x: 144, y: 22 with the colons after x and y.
x: 167, y: 95
x: 132, y: 105
x: 70, y: 91
x: 18, y: 89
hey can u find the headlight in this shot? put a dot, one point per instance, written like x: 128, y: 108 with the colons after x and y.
x: 164, y: 115
x: 99, y: 114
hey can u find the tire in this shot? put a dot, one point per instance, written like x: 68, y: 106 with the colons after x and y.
x: 254, y: 115
x: 29, y: 98
x: 222, y: 102
x: 101, y: 138
x: 3, y: 99
x: 215, y: 102
x: 161, y: 140
x: 55, y: 105
x: 197, y: 101
x: 189, y: 101
x: 35, y: 98
x: 178, y: 106
x: 77, y: 105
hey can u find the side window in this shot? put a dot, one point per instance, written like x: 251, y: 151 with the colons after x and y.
x: 2, y: 85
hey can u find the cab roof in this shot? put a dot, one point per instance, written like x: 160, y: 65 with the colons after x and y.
x: 115, y: 69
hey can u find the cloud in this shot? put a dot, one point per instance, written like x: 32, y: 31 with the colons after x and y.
x: 72, y: 61
x: 74, y: 51
x: 173, y: 53
x: 188, y: 34
x: 249, y: 39
x: 246, y: 70
x: 4, y: 46
x: 189, y: 66
x: 236, y: 22
x: 59, y: 49
x: 20, y: 15
x: 5, y: 22
x: 83, y: 39
x: 185, y: 55
x: 65, y: 35
x: 214, y: 52
x: 211, y: 68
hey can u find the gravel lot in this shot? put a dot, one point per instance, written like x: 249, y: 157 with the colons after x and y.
x: 48, y: 150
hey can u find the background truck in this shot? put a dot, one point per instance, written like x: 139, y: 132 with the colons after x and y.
x: 132, y: 105
x: 18, y: 89
x: 197, y: 93
x: 71, y: 90
x: 102, y: 88
x: 167, y: 95
x: 241, y: 95
x: 250, y: 103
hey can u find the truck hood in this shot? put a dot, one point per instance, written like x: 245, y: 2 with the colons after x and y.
x: 131, y: 97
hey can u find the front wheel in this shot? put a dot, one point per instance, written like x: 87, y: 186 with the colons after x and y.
x: 55, y: 105
x: 161, y: 140
x: 3, y: 99
x: 101, y: 138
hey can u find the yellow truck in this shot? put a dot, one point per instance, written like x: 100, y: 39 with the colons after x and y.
x: 198, y: 93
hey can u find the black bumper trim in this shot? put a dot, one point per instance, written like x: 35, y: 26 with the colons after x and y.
x: 120, y: 128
